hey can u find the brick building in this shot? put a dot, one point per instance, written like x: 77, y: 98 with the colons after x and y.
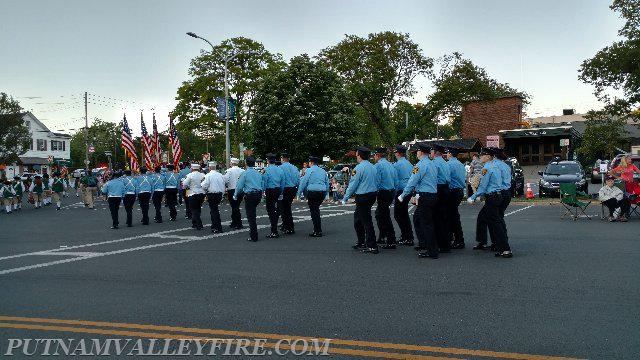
x: 486, y: 118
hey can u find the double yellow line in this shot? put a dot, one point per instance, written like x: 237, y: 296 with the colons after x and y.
x: 347, y: 347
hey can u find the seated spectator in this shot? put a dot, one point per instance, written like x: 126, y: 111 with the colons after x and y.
x: 338, y: 192
x: 613, y: 198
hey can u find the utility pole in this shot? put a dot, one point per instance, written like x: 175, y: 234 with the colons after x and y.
x: 406, y: 120
x: 86, y: 134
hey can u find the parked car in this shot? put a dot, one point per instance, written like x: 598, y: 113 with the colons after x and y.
x: 558, y: 172
x: 517, y: 177
x: 616, y: 161
x: 339, y: 167
x: 596, y: 176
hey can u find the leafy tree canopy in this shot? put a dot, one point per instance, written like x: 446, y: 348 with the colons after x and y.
x: 14, y: 135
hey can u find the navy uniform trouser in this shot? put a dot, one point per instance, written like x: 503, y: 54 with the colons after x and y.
x: 271, y: 200
x: 171, y: 195
x: 187, y: 208
x: 401, y: 214
x: 490, y: 215
x: 251, y: 201
x: 143, y: 200
x: 114, y: 205
x: 128, y: 201
x: 440, y: 218
x: 423, y: 222
x: 285, y: 209
x: 362, y: 220
x: 383, y: 215
x: 315, y: 199
x: 506, y: 200
x: 214, y: 200
x: 156, y: 198
x: 236, y: 217
x: 195, y: 201
x: 453, y: 214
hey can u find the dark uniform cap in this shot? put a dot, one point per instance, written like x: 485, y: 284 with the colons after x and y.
x: 16, y: 178
x: 271, y: 156
x: 314, y: 159
x: 364, y: 152
x: 423, y: 147
x: 438, y: 148
x: 284, y: 155
x: 157, y: 169
x: 37, y: 176
x: 143, y: 170
x: 609, y: 177
x: 250, y: 161
x: 170, y: 166
x: 127, y: 172
x: 57, y: 173
x: 487, y: 151
x: 401, y: 149
x: 381, y: 150
x: 452, y: 151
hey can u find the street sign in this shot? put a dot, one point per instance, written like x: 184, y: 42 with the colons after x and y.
x: 92, y: 149
x: 493, y: 140
x: 604, y: 167
x: 108, y: 153
x: 564, y: 142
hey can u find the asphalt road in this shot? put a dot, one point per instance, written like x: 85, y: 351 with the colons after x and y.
x: 571, y: 290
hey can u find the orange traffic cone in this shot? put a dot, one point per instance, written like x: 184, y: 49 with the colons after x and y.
x: 529, y: 192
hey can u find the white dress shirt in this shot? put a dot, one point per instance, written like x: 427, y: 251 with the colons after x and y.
x: 213, y: 182
x: 231, y: 177
x: 193, y: 182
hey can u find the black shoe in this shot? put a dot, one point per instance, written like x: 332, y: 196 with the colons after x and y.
x: 172, y: 219
x: 382, y: 240
x: 389, y: 246
x: 445, y: 251
x: 481, y: 247
x: 419, y: 248
x: 505, y: 254
x: 187, y: 217
x: 457, y: 245
x: 129, y: 225
x: 289, y: 232
x: 114, y: 227
x: 273, y: 235
x: 58, y: 208
x: 250, y: 239
x: 316, y: 234
x: 493, y: 248
x: 158, y: 221
x: 216, y: 231
x: 371, y: 250
x: 406, y: 242
x: 427, y: 255
x: 358, y: 246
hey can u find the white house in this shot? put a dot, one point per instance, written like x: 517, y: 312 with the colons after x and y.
x: 45, y: 145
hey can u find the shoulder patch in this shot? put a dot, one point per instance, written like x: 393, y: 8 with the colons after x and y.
x: 416, y: 170
x: 484, y: 172
x: 262, y: 172
x: 353, y: 172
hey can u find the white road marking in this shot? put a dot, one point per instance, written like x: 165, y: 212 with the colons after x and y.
x: 122, y: 251
x: 68, y: 253
x: 515, y: 211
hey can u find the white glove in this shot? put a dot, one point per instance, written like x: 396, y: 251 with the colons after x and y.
x: 470, y: 200
x: 281, y: 197
x: 400, y: 198
x: 343, y: 202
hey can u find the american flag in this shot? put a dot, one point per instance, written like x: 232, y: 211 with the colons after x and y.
x: 174, y: 142
x: 147, y: 145
x: 156, y: 143
x: 127, y: 144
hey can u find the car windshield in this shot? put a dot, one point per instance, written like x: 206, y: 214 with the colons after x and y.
x: 563, y: 169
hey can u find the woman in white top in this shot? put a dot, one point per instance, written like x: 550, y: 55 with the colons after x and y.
x: 613, y: 198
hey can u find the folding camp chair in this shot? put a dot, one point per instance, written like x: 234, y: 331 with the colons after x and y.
x: 631, y: 192
x: 569, y: 199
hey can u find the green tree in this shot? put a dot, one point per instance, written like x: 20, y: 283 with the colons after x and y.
x: 304, y: 110
x: 409, y: 122
x: 197, y: 108
x: 458, y: 81
x: 616, y: 69
x: 14, y: 135
x: 378, y: 70
x: 104, y: 136
x: 602, y: 136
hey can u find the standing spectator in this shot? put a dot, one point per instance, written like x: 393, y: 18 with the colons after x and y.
x: 475, y: 173
x: 625, y: 171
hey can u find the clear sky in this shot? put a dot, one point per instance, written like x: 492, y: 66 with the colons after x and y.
x: 132, y: 55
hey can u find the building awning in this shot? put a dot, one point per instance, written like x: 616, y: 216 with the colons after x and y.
x: 539, y: 132
x: 463, y: 145
x: 27, y: 160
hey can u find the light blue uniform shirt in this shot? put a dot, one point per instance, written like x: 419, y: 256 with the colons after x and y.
x: 157, y: 182
x: 443, y: 170
x: 424, y: 178
x: 113, y: 188
x: 314, y: 179
x: 403, y: 172
x: 273, y: 177
x: 458, y: 174
x: 386, y: 175
x: 505, y: 171
x: 171, y: 179
x: 363, y: 181
x: 130, y: 186
x: 291, y: 174
x: 144, y: 182
x: 491, y: 181
x: 183, y: 173
x: 250, y: 181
